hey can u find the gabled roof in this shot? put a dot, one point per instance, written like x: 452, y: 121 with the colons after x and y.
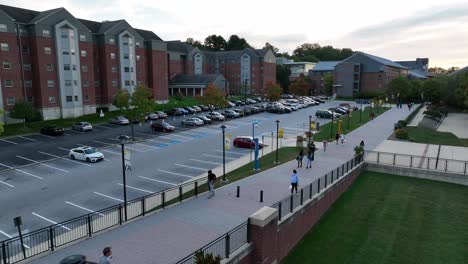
x: 179, y: 46
x: 91, y: 25
x: 107, y: 25
x: 381, y: 60
x: 194, y: 78
x: 261, y: 52
x: 417, y: 74
x: 325, y: 66
x: 19, y: 14
x: 147, y: 34
x: 44, y: 14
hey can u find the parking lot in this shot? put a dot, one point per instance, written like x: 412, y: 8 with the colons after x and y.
x: 44, y: 187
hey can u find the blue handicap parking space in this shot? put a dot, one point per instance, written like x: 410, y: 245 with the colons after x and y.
x: 163, y: 145
x: 174, y: 142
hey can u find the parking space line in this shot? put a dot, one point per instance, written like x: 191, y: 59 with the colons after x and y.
x: 100, y: 142
x: 150, y: 146
x: 7, y: 141
x: 74, y: 161
x: 44, y: 135
x: 113, y: 139
x: 176, y: 135
x: 175, y: 173
x: 231, y: 152
x: 174, y: 139
x: 110, y: 197
x: 220, y: 157
x: 7, y: 235
x: 7, y: 184
x: 144, y: 134
x: 27, y: 138
x: 208, y: 130
x: 190, y: 167
x: 84, y: 208
x: 37, y: 162
x: 27, y: 173
x: 150, y: 179
x: 135, y: 188
x: 53, y: 222
x: 207, y: 162
x: 113, y: 152
x: 4, y: 165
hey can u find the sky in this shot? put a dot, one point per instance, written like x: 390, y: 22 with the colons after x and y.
x: 396, y: 30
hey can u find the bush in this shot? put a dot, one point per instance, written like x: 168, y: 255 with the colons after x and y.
x: 200, y: 258
x: 179, y: 96
x: 358, y: 150
x: 401, y: 134
x: 300, y: 138
x: 402, y: 123
x: 433, y: 113
x: 37, y: 116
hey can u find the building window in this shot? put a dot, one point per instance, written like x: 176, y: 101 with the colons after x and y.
x: 131, y: 69
x: 65, y: 34
x: 7, y: 65
x: 47, y: 50
x: 3, y: 28
x: 49, y: 67
x: 25, y: 49
x: 84, y: 53
x: 97, y: 83
x: 114, y: 83
x: 125, y: 56
x: 127, y: 82
x: 8, y: 83
x: 27, y: 67
x: 76, y: 98
x: 28, y: 83
x: 69, y: 98
x: 125, y: 43
x: 126, y: 69
x: 114, y: 69
x: 86, y: 98
x: 30, y: 99
x: 66, y: 52
x: 137, y: 44
x: 82, y: 37
x: 68, y: 83
x: 66, y: 67
x: 85, y: 83
x: 45, y: 33
x: 75, y: 82
x: 72, y: 51
x: 74, y: 67
x: 51, y: 99
x: 112, y: 56
x: 84, y: 68
x: 138, y: 57
x: 4, y: 47
x: 50, y: 83
x: 11, y: 100
x: 112, y: 41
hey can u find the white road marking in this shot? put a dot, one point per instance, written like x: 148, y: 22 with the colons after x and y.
x: 113, y: 152
x: 175, y: 173
x: 190, y: 167
x: 44, y: 135
x: 27, y: 173
x: 171, y: 138
x: 7, y: 235
x: 156, y: 141
x: 27, y: 138
x: 295, y: 129
x: 143, y: 177
x: 208, y: 130
x: 176, y: 135
x: 143, y: 144
x: 45, y: 165
x: 213, y: 156
x: 238, y: 123
x: 7, y: 141
x: 135, y: 188
x: 207, y: 162
x: 110, y: 197
x: 84, y: 208
x: 63, y: 149
x: 7, y: 184
x: 53, y: 222
x: 113, y: 139
x: 4, y: 165
x: 100, y: 142
x: 231, y: 152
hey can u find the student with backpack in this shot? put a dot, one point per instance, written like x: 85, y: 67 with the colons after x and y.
x: 211, y: 183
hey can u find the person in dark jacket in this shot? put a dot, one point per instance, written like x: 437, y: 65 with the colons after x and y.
x: 337, y: 137
x: 211, y: 183
x: 299, y: 158
x: 309, y: 159
x: 294, y: 181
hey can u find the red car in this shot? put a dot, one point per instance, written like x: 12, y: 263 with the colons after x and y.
x: 162, y: 127
x: 246, y: 142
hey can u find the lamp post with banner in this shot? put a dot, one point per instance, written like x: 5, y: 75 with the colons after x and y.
x: 223, y: 128
x: 125, y: 167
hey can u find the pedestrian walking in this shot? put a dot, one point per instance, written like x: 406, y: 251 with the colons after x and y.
x: 362, y: 146
x: 294, y: 181
x: 299, y: 158
x: 106, y: 256
x: 325, y: 143
x: 313, y: 148
x: 310, y: 157
x: 211, y: 183
x: 337, y: 137
x: 342, y: 138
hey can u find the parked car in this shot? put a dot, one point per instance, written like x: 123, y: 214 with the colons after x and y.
x: 231, y: 104
x: 315, y: 98
x: 338, y: 110
x: 325, y: 114
x: 204, y: 107
x: 205, y: 119
x: 245, y: 142
x: 193, y: 121
x: 119, y: 120
x: 216, y: 116
x: 251, y: 101
x: 239, y: 111
x: 153, y: 116
x: 162, y: 127
x: 354, y: 107
x: 87, y: 154
x: 52, y: 131
x: 174, y: 112
x: 230, y: 114
x: 239, y: 103
x: 161, y: 114
x: 82, y: 126
x: 197, y: 108
x: 190, y: 110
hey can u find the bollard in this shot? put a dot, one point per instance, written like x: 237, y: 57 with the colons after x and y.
x: 196, y: 188
x: 302, y: 196
x: 261, y: 196
x: 238, y: 191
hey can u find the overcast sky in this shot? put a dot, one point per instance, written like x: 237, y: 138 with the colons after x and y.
x: 397, y: 29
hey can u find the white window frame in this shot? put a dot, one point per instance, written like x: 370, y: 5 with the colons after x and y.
x: 9, y: 102
x: 51, y: 99
x: 112, y: 41
x: 68, y: 83
x: 4, y: 47
x: 112, y: 56
x: 85, y: 83
x: 82, y: 37
x: 138, y: 57
x: 9, y: 83
x: 46, y: 33
x: 7, y: 64
x: 3, y: 28
x: 27, y: 68
x: 51, y: 67
x: 84, y: 68
x: 84, y: 53
x: 47, y: 50
x: 86, y: 98
x: 28, y: 83
x: 50, y: 83
x: 114, y: 83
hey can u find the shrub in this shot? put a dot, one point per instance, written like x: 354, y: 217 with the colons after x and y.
x: 300, y: 138
x: 402, y: 123
x: 401, y: 134
x: 433, y: 113
x: 200, y: 258
x: 179, y: 96
x: 358, y: 150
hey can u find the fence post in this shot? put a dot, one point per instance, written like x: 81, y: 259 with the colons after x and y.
x: 261, y: 196
x: 428, y: 161
x: 238, y: 191
x: 394, y: 158
x: 411, y: 161
x: 338, y: 172
x: 163, y: 199
x: 326, y: 177
x: 4, y: 252
x: 446, y: 164
x: 302, y: 196
x: 249, y: 229
x: 196, y: 188
x: 331, y: 181
x: 310, y: 191
x: 180, y: 194
x: 279, y: 211
x: 378, y: 157
x: 342, y: 170
x: 120, y: 214
x: 291, y: 203
x: 347, y: 166
x: 143, y: 206
x: 465, y: 168
x: 90, y: 230
x: 228, y: 245
x: 318, y: 186
x: 51, y: 234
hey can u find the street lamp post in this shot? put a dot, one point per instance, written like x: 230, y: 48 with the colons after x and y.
x: 123, y: 139
x: 256, y: 165
x: 360, y: 114
x: 349, y: 114
x: 277, y: 139
x: 223, y: 128
x: 310, y: 127
x: 333, y: 118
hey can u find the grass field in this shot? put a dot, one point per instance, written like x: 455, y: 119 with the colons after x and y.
x: 429, y: 136
x: 389, y: 219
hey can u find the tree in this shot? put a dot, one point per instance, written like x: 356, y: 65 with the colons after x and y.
x: 195, y: 43
x: 273, y: 48
x: 328, y: 83
x: 461, y: 93
x: 134, y: 106
x: 213, y: 96
x: 23, y: 110
x: 1, y: 124
x: 236, y: 43
x: 300, y: 86
x: 282, y: 77
x: 431, y: 90
x: 215, y: 43
x: 273, y: 91
x: 415, y: 89
x: 399, y: 87
x: 314, y: 52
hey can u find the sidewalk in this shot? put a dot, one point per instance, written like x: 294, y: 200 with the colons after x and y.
x: 418, y: 117
x: 171, y: 234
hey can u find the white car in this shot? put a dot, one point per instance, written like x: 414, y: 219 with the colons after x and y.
x: 88, y: 154
x: 82, y: 126
x: 194, y: 121
x: 216, y: 116
x: 153, y: 116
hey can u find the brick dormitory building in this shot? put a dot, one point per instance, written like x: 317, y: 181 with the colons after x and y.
x: 68, y: 67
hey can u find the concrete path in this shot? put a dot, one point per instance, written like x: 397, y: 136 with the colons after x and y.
x: 456, y: 123
x: 426, y: 150
x: 418, y: 117
x: 169, y: 235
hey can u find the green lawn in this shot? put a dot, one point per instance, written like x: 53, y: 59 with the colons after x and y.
x: 429, y: 136
x: 355, y: 121
x: 389, y: 219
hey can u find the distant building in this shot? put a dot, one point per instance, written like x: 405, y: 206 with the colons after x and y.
x: 196, y: 84
x: 299, y: 68
x: 418, y: 69
x: 318, y: 72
